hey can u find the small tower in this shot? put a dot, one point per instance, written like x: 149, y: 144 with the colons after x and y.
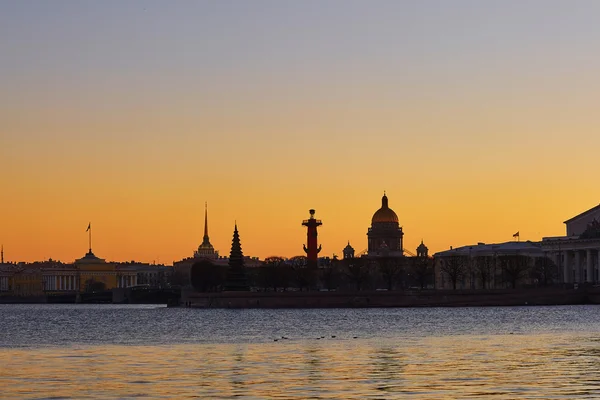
x: 311, y: 247
x: 348, y: 251
x: 236, y: 273
x: 422, y: 250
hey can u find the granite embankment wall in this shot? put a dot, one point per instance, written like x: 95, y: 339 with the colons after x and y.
x: 421, y: 298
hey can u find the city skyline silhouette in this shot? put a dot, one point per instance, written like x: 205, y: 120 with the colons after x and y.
x: 478, y: 120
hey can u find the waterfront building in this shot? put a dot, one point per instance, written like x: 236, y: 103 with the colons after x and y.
x: 385, y: 234
x: 154, y: 275
x: 58, y: 277
x: 27, y: 282
x: 480, y: 266
x: 577, y: 254
x: 6, y: 274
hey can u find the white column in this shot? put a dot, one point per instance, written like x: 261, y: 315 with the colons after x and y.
x: 567, y: 268
x: 578, y: 277
x: 554, y: 257
x: 598, y: 266
x: 588, y: 264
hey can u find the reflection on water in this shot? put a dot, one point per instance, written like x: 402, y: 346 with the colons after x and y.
x: 511, y: 359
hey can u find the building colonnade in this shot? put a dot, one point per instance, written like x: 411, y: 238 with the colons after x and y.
x: 125, y: 281
x: 578, y: 265
x: 61, y: 283
x: 4, y: 285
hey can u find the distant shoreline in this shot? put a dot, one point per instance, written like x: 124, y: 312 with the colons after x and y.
x: 372, y: 299
x: 339, y: 299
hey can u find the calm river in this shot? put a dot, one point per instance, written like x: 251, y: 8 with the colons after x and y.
x: 114, y: 351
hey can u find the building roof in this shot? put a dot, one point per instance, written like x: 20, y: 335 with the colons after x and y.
x: 583, y: 214
x: 482, y: 249
x: 90, y: 258
x: 384, y: 214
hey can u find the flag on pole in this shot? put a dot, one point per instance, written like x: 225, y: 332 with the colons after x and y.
x: 89, y: 227
x: 516, y: 235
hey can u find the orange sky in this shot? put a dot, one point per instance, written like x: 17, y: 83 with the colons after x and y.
x: 474, y: 130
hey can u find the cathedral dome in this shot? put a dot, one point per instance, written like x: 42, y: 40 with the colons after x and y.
x: 384, y: 214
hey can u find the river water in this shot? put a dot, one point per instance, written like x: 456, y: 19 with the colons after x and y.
x: 129, y: 351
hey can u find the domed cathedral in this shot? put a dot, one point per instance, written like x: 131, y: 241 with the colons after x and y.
x: 385, y: 234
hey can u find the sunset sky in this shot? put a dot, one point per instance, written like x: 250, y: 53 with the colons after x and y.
x: 478, y: 118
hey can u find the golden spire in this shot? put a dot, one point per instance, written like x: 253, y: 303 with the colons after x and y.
x: 205, y: 239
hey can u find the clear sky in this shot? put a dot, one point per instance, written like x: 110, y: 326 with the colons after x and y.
x: 478, y: 118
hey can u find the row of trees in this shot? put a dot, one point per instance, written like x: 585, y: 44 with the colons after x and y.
x: 489, y: 272
x: 279, y: 274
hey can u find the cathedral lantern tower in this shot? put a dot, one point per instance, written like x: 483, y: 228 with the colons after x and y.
x: 311, y: 247
x: 422, y: 250
x: 348, y: 251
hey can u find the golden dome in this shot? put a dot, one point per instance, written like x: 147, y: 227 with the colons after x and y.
x: 384, y: 214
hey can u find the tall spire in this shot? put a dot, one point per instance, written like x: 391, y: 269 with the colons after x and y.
x: 206, y: 249
x: 2, y: 255
x: 205, y: 239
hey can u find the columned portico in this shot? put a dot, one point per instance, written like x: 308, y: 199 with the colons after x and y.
x: 577, y: 268
x: 597, y: 277
x: 567, y: 268
x: 589, y: 272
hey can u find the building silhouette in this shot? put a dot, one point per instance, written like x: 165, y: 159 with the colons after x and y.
x: 236, y: 279
x: 206, y: 250
x: 385, y: 234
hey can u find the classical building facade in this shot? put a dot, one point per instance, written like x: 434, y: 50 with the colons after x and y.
x: 577, y: 254
x: 479, y: 258
x: 385, y: 234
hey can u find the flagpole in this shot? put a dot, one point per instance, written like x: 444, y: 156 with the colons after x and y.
x: 90, y: 225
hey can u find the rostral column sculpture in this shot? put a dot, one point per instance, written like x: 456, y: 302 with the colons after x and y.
x: 311, y: 247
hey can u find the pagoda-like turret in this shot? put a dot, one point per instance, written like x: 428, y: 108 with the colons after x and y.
x: 236, y: 272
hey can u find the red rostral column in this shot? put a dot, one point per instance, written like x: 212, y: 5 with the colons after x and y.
x: 311, y: 248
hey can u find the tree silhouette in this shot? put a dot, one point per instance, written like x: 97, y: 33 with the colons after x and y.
x: 92, y: 285
x: 206, y: 276
x: 304, y: 274
x: 422, y: 270
x: 514, y: 268
x: 391, y: 269
x: 330, y: 276
x: 274, y: 273
x: 484, y: 268
x: 544, y: 271
x: 455, y: 267
x: 357, y: 270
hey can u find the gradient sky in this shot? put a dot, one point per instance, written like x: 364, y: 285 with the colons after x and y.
x: 478, y: 118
